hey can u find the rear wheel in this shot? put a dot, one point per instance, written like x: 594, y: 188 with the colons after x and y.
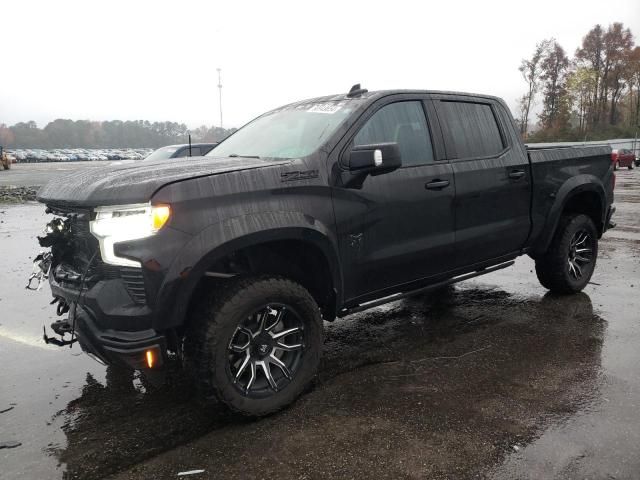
x: 257, y: 344
x: 631, y: 166
x: 569, y: 262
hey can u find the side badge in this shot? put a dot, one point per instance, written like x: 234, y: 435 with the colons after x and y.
x: 298, y: 175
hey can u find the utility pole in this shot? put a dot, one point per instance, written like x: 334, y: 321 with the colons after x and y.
x: 220, y: 94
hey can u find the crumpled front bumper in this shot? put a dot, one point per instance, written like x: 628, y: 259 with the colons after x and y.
x: 110, y: 326
x: 114, y: 347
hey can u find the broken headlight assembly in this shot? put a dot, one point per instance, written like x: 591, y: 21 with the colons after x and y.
x: 122, y: 223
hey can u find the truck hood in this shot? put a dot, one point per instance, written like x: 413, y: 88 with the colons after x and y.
x: 129, y: 182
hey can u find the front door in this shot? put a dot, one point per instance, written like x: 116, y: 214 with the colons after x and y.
x: 399, y: 226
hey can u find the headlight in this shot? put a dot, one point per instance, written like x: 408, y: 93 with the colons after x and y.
x: 126, y: 222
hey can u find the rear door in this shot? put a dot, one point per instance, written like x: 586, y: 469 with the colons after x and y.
x: 396, y: 228
x: 492, y: 178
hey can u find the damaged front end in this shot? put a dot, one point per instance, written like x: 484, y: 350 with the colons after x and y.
x: 104, y: 306
x: 70, y: 253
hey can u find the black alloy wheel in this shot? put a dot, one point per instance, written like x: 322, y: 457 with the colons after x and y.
x: 580, y: 253
x: 265, y: 351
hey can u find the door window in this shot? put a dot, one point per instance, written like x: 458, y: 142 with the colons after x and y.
x: 403, y: 123
x: 472, y: 129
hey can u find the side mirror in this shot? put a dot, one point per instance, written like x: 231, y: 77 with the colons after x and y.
x: 375, y: 159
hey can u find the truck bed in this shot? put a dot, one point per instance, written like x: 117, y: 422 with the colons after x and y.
x: 554, y: 168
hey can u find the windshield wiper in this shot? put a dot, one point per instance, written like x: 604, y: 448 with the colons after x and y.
x: 235, y: 155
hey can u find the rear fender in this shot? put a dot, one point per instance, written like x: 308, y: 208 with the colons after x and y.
x: 569, y: 189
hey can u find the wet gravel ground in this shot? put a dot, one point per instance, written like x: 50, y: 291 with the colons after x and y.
x: 494, y: 378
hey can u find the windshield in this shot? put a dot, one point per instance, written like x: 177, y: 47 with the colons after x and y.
x: 290, y: 132
x: 162, y: 153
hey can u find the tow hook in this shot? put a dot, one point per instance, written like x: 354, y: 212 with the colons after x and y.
x: 60, y: 327
x: 41, y: 270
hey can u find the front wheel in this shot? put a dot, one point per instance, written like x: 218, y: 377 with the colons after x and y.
x: 569, y: 262
x: 257, y: 344
x: 631, y: 166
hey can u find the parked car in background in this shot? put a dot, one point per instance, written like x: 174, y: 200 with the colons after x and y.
x: 177, y: 151
x: 623, y: 157
x: 5, y: 159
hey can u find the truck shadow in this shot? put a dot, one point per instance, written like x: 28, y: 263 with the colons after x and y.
x: 466, y: 370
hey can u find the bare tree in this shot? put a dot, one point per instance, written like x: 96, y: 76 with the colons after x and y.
x: 531, y: 71
x: 633, y: 80
x: 590, y: 56
x: 520, y: 117
x: 618, y: 43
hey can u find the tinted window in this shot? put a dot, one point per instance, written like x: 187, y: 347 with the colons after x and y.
x: 162, y: 153
x: 205, y: 149
x: 195, y: 152
x: 472, y: 127
x: 403, y: 123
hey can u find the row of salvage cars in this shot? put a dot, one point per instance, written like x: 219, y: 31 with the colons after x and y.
x: 77, y: 154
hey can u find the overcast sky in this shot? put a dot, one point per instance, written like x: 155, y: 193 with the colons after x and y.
x: 157, y: 60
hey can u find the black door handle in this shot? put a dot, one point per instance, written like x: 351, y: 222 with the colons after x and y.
x: 516, y: 174
x: 437, y: 185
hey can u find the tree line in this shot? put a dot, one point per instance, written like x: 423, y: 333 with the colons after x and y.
x: 593, y: 95
x: 62, y: 133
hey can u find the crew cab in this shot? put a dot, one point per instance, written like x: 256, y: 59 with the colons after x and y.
x: 230, y: 262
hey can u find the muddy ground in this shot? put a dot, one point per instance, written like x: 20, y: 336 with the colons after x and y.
x: 494, y: 378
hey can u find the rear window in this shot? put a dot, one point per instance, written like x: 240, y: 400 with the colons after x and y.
x: 472, y: 129
x: 162, y: 153
x: 195, y: 152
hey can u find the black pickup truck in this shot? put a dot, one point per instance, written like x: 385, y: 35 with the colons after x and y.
x: 230, y: 262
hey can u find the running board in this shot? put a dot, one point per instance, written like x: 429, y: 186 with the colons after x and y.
x: 444, y: 283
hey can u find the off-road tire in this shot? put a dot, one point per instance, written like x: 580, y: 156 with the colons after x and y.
x: 552, y: 268
x: 213, y: 326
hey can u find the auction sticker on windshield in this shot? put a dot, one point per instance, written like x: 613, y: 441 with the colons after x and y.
x: 331, y: 107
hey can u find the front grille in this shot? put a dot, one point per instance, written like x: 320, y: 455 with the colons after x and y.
x: 134, y: 282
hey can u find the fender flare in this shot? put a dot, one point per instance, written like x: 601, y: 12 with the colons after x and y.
x: 569, y: 189
x: 229, y: 235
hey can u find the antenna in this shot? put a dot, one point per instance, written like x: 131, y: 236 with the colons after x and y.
x: 220, y: 93
x: 356, y: 91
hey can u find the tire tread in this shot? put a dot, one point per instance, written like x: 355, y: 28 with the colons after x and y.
x: 209, y: 321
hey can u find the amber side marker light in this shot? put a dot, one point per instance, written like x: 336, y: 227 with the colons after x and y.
x: 151, y: 358
x: 160, y: 215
